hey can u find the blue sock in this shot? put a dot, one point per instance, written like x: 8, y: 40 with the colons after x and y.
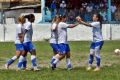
x: 52, y: 60
x: 33, y: 60
x: 98, y: 61
x: 10, y: 61
x: 20, y: 62
x: 24, y: 64
x: 91, y: 59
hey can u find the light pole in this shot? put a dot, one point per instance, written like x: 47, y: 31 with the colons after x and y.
x: 109, y: 17
x: 3, y: 23
x: 43, y: 10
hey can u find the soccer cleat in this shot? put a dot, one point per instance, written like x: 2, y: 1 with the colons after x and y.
x: 97, y: 69
x: 36, y: 69
x: 69, y: 67
x: 89, y: 68
x: 53, y: 66
x: 18, y: 69
x: 6, y: 66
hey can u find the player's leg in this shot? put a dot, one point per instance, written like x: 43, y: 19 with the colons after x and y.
x: 59, y: 56
x: 25, y: 60
x: 55, y: 48
x: 32, y: 50
x: 22, y: 60
x: 91, y: 56
x: 68, y: 60
x: 19, y: 49
x: 98, y: 47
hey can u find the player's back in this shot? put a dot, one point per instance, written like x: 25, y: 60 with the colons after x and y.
x: 62, y: 32
x: 19, y: 30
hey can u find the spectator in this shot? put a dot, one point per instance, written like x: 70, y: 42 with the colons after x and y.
x: 113, y: 9
x: 63, y: 8
x: 89, y: 8
x: 82, y: 13
x: 63, y: 5
x: 103, y: 14
x: 71, y: 17
x: 47, y: 14
x: 53, y: 9
x: 117, y: 15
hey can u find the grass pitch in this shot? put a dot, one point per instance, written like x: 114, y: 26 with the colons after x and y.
x: 79, y: 54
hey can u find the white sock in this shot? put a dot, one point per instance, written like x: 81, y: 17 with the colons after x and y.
x: 56, y: 61
x: 14, y: 58
x: 21, y: 59
x: 33, y: 57
x: 68, y: 61
x: 53, y: 57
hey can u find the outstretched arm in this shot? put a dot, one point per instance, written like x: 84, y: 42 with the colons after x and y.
x: 82, y: 22
x: 73, y: 25
x: 86, y: 24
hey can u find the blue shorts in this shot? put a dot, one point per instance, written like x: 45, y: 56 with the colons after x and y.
x: 55, y: 47
x: 64, y: 48
x: 96, y: 44
x: 19, y: 47
x: 28, y: 46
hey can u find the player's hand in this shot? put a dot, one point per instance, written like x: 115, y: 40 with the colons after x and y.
x: 22, y: 40
x: 78, y: 18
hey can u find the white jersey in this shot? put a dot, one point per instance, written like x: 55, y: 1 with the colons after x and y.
x: 62, y: 32
x: 19, y: 30
x: 97, y: 33
x: 29, y: 33
x: 54, y: 34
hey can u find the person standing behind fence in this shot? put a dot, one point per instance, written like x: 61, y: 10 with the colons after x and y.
x: 53, y: 9
x: 18, y: 42
x: 63, y: 8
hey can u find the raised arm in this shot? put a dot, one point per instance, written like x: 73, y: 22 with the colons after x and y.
x: 73, y: 25
x: 83, y: 22
x: 86, y: 24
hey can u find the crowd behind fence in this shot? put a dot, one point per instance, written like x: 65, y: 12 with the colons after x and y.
x: 85, y: 10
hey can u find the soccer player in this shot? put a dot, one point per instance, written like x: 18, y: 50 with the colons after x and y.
x: 28, y: 45
x: 63, y: 44
x: 97, y: 42
x: 18, y: 42
x: 54, y: 34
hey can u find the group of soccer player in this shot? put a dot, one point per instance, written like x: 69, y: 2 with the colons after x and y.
x: 23, y: 43
x: 58, y: 42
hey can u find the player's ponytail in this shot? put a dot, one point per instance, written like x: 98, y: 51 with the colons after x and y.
x: 100, y: 19
x: 29, y: 16
x: 21, y: 19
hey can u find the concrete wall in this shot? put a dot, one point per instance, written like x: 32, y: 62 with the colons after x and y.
x: 42, y: 32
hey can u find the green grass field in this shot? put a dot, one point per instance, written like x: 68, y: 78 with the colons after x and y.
x: 79, y: 54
